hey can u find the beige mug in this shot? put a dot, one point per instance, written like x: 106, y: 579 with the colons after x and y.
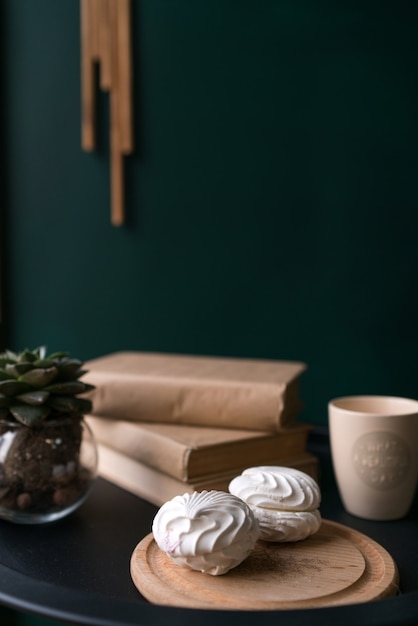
x: 374, y: 449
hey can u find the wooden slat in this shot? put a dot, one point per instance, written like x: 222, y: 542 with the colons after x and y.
x: 94, y: 29
x: 104, y: 45
x: 117, y: 188
x: 106, y: 40
x: 116, y: 159
x: 124, y: 59
x: 88, y: 96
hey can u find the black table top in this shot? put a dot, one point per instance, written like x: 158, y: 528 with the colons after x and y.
x: 76, y: 570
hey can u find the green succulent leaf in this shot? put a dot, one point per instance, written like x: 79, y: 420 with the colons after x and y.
x: 17, y: 369
x: 34, y: 385
x: 4, y: 400
x: 70, y: 388
x: 4, y: 361
x: 79, y: 373
x: 5, y: 375
x: 68, y: 369
x: 39, y: 377
x: 8, y: 356
x: 84, y: 406
x: 88, y: 387
x: 34, y: 398
x: 27, y: 356
x: 58, y: 355
x: 30, y: 415
x: 44, y: 363
x: 69, y: 404
x: 64, y: 404
x: 13, y: 387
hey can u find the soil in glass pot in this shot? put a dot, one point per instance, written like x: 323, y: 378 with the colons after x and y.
x: 46, y: 471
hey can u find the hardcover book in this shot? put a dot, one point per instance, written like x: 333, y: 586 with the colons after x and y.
x: 208, y: 391
x: 189, y: 452
x: 157, y: 487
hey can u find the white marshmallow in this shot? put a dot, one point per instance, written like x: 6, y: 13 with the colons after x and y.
x: 208, y: 531
x: 284, y: 526
x: 284, y: 500
x: 274, y: 487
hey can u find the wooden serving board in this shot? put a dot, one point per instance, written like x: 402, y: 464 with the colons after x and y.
x: 336, y: 566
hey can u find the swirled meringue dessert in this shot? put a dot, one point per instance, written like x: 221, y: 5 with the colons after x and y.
x: 285, y: 501
x: 208, y: 531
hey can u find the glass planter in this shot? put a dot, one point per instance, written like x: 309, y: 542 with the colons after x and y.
x: 46, y: 471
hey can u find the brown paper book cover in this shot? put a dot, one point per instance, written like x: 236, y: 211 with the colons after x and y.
x: 157, y: 487
x: 189, y: 452
x: 209, y: 391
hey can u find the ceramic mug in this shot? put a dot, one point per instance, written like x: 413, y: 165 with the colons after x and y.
x: 374, y: 448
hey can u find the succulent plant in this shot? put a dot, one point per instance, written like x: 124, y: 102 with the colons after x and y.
x: 35, y: 386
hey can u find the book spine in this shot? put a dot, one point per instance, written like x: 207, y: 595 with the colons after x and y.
x: 157, y: 488
x: 138, y: 478
x: 254, y: 406
x: 198, y: 459
x: 167, y: 455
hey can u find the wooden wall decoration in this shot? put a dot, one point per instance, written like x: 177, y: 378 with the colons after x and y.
x: 106, y: 44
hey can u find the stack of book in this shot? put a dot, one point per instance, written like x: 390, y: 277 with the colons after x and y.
x: 166, y: 425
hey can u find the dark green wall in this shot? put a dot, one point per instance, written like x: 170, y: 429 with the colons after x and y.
x: 272, y: 198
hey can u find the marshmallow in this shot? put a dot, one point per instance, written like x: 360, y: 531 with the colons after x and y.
x: 284, y: 500
x: 208, y: 531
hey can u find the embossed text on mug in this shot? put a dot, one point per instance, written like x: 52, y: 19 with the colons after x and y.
x: 381, y: 459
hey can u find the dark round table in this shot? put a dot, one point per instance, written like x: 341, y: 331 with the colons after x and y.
x: 77, y: 570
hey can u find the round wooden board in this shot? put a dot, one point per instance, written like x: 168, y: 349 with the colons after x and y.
x: 337, y: 565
